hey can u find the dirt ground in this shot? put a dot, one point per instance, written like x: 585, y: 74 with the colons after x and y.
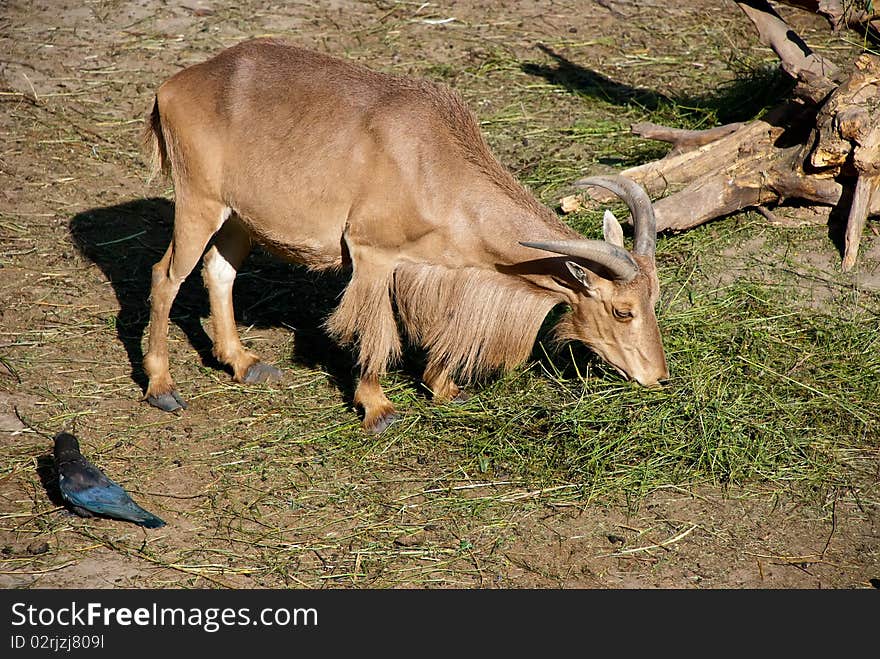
x: 80, y: 228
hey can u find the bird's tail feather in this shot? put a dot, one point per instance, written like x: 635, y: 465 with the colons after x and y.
x: 150, y: 521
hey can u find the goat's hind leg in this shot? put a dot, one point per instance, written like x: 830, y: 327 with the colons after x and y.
x: 195, y: 222
x: 222, y: 261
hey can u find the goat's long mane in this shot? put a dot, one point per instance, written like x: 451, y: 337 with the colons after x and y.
x: 471, y: 320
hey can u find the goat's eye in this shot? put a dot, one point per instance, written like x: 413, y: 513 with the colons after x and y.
x: 622, y: 314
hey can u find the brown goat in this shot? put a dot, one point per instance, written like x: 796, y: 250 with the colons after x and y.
x: 330, y: 164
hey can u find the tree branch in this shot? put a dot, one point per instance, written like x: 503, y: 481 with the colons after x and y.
x: 681, y: 139
x: 814, y: 73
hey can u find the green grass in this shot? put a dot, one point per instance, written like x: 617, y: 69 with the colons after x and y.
x: 760, y: 392
x: 771, y: 384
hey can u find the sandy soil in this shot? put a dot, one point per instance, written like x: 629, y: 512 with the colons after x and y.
x: 80, y: 229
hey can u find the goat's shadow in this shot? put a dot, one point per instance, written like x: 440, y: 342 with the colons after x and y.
x: 127, y: 239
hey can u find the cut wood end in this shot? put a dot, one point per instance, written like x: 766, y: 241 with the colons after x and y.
x: 830, y: 152
x: 570, y: 204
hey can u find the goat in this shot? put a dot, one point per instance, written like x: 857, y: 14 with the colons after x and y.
x: 330, y: 164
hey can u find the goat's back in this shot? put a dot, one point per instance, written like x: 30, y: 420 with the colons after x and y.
x: 301, y: 145
x: 265, y: 97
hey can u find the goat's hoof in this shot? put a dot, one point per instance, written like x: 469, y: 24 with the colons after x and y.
x: 260, y: 372
x: 169, y: 402
x: 380, y: 423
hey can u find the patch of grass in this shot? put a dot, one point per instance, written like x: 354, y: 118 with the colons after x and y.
x: 760, y: 391
x: 767, y: 386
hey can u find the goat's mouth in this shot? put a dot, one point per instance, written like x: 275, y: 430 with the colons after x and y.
x: 648, y: 377
x: 622, y: 373
x: 647, y: 382
x: 655, y: 384
x: 604, y: 357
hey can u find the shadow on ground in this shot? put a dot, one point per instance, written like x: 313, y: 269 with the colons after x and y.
x: 742, y: 99
x: 48, y: 476
x: 127, y: 239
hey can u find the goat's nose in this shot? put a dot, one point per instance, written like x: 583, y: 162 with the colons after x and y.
x: 655, y: 380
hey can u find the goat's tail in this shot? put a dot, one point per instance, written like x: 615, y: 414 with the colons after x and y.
x: 155, y: 146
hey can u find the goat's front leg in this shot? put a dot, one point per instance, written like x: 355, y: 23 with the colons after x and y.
x: 379, y: 412
x: 365, y: 317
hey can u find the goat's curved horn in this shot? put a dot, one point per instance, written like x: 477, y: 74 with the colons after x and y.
x: 613, y: 258
x: 635, y: 196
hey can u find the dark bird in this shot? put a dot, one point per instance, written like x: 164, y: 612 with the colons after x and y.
x: 90, y: 492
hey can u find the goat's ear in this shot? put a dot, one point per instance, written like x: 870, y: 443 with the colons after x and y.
x: 581, y: 275
x: 612, y: 229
